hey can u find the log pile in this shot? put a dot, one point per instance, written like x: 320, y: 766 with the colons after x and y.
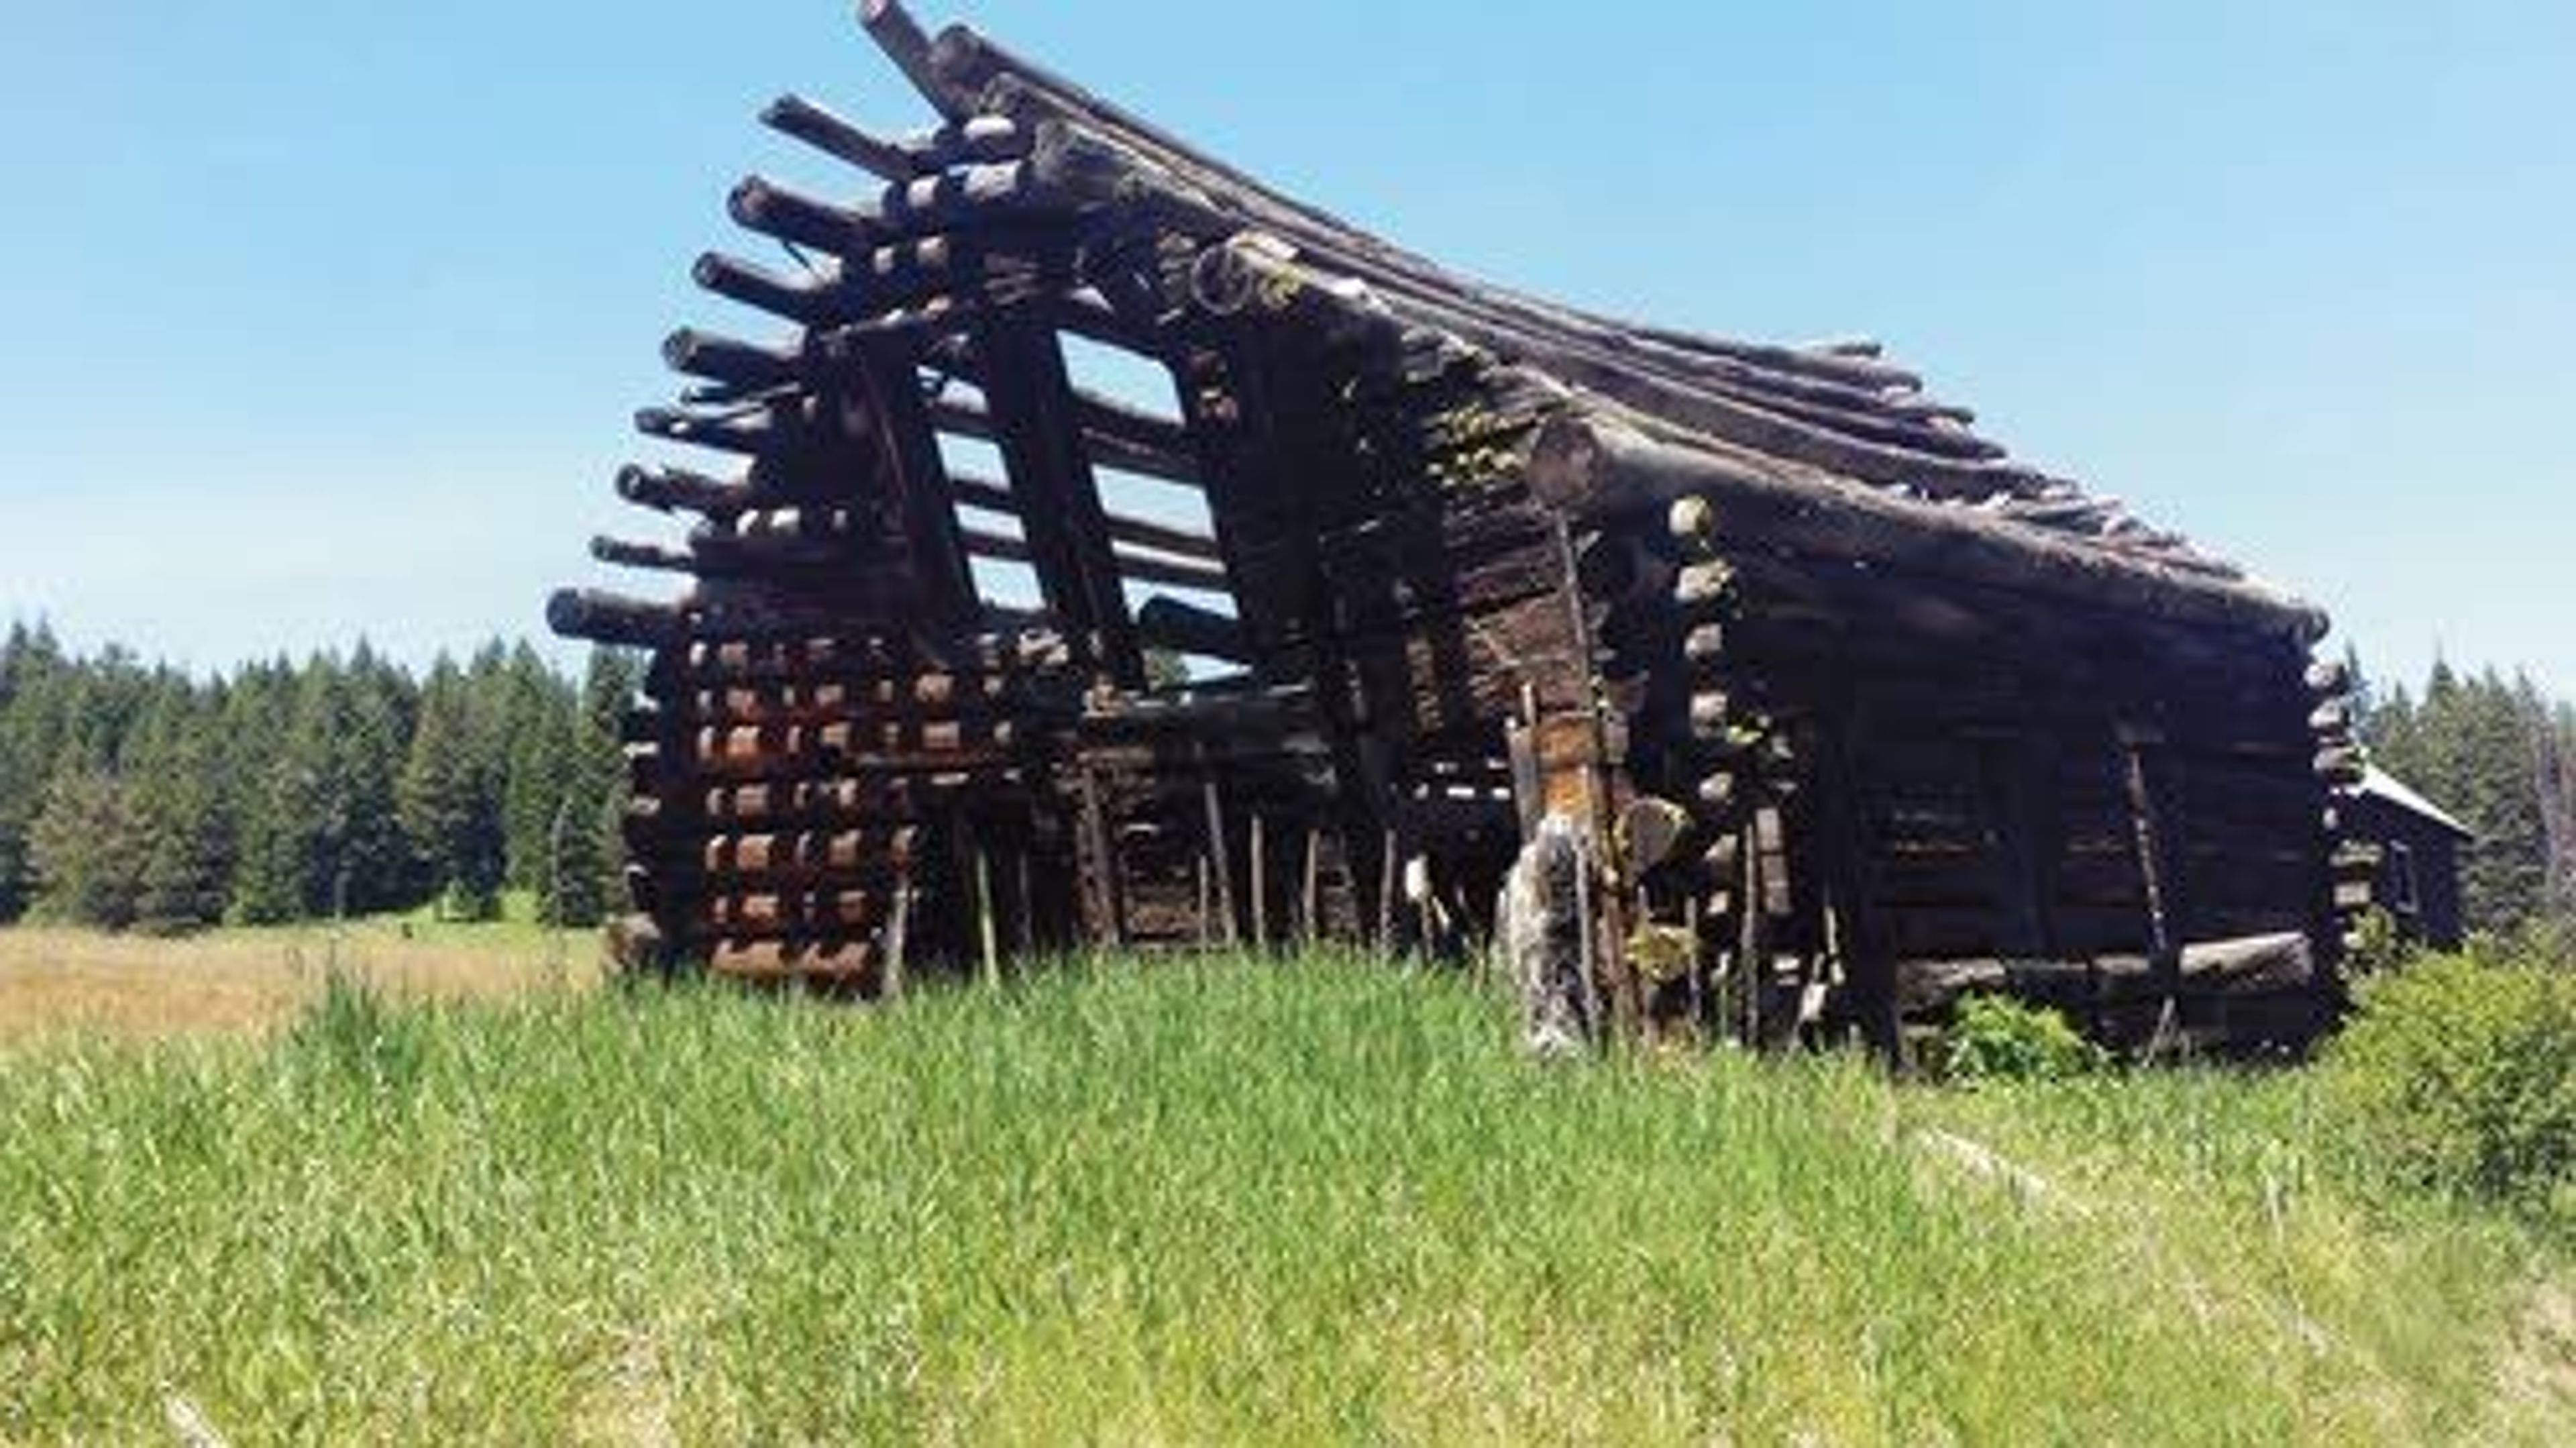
x: 1848, y: 711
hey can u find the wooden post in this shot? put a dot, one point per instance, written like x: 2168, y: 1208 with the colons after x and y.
x: 1260, y: 867
x: 1067, y: 529
x: 918, y: 477
x: 2158, y: 866
x: 1309, y: 912
x: 898, y: 928
x: 1099, y: 882
x: 1389, y: 881
x: 1214, y: 806
x: 1206, y: 898
x: 1027, y: 933
x: 988, y: 932
x: 1753, y: 939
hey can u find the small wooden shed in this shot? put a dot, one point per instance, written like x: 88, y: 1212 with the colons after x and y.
x: 2415, y: 845
x: 1844, y: 711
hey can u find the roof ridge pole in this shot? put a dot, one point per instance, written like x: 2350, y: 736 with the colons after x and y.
x: 908, y: 46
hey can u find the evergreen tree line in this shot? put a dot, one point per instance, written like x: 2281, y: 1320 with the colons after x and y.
x: 143, y: 797
x: 2501, y: 757
x: 135, y: 797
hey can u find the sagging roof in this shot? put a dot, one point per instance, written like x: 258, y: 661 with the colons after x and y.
x: 1834, y: 442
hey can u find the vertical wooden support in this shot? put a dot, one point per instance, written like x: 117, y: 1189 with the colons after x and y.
x: 1097, y: 864
x: 1025, y: 937
x: 1309, y: 913
x: 2159, y: 860
x: 988, y: 930
x: 896, y: 942
x: 1259, y: 865
x: 1212, y: 803
x: 1390, y: 866
x: 1267, y: 432
x: 1067, y: 529
x: 1575, y: 762
x: 1206, y: 900
x: 890, y: 391
x: 1752, y: 941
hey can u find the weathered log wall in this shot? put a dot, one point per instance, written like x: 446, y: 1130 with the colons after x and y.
x: 1850, y: 712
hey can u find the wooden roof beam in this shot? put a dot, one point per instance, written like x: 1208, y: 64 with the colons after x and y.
x: 1594, y: 465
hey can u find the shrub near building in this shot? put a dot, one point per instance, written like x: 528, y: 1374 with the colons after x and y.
x: 2458, y: 1075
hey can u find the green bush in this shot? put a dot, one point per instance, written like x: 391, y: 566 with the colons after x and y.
x: 2458, y: 1075
x: 1998, y: 1039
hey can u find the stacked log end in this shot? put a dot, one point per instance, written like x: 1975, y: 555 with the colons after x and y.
x: 2342, y: 765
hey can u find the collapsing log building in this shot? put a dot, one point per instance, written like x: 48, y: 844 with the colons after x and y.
x: 1807, y: 707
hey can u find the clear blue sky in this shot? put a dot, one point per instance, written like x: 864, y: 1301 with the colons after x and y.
x: 328, y: 318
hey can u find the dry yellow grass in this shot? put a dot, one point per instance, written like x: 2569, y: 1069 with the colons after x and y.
x: 247, y: 981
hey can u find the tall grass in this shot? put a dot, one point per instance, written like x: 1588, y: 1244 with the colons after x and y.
x: 1318, y: 1202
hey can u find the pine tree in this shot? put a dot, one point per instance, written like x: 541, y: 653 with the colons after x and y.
x: 30, y: 663
x: 371, y: 723
x: 610, y: 687
x: 90, y: 847
x: 289, y: 869
x: 2561, y: 796
x: 574, y: 892
x: 187, y: 870
x: 258, y: 713
x: 450, y: 805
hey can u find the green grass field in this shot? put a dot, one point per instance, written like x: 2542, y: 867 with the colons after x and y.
x: 1323, y: 1201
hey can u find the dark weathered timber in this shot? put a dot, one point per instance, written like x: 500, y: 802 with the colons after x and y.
x: 913, y: 471
x: 730, y: 361
x: 904, y: 42
x: 1039, y: 427
x: 1607, y: 468
x: 1143, y: 452
x: 775, y: 210
x: 752, y: 285
x: 606, y: 618
x: 793, y: 115
x: 1849, y: 711
x: 995, y: 497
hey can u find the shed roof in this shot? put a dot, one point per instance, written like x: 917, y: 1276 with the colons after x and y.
x: 2379, y: 784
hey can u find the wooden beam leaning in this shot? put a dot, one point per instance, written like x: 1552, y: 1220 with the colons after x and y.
x: 614, y: 619
x: 643, y: 557
x: 759, y: 432
x: 801, y: 119
x: 1010, y: 84
x: 670, y: 490
x: 1041, y: 432
x: 1181, y: 543
x: 1872, y: 448
x: 908, y: 46
x: 735, y: 363
x: 918, y: 477
x: 1597, y: 466
x: 784, y: 214
x: 1122, y: 440
x: 807, y: 303
x: 1133, y: 567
